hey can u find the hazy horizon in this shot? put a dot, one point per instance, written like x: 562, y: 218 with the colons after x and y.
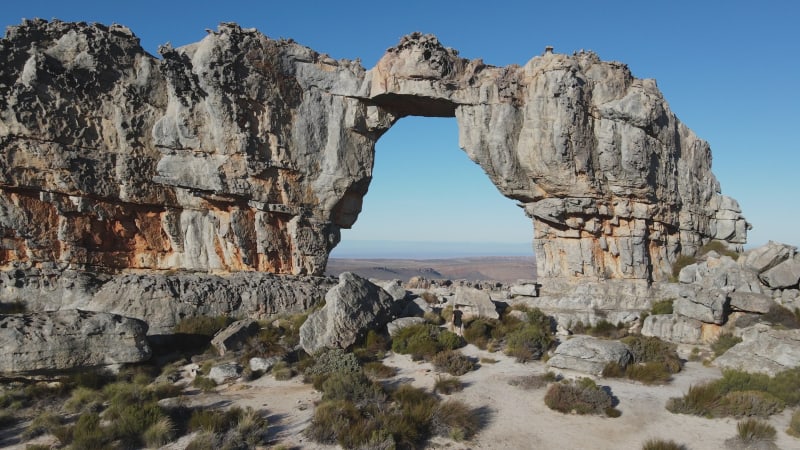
x: 386, y: 249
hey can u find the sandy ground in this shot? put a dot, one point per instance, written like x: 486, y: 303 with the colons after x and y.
x: 515, y: 418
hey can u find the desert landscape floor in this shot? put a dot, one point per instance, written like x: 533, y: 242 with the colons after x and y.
x: 514, y: 418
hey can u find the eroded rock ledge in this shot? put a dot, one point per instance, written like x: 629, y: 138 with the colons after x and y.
x: 243, y: 153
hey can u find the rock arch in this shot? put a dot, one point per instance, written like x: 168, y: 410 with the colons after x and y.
x: 243, y: 153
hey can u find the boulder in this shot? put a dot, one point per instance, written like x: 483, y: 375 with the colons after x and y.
x: 782, y: 276
x: 234, y: 336
x: 395, y: 289
x: 225, y: 372
x: 705, y: 305
x: 763, y: 349
x: 750, y: 302
x: 70, y: 339
x: 258, y: 364
x: 474, y: 303
x: 524, y: 290
x: 768, y: 256
x: 673, y: 328
x: 720, y: 272
x: 398, y: 324
x: 589, y: 355
x: 352, y: 307
x: 416, y: 307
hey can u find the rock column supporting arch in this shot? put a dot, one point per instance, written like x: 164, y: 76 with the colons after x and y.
x: 243, y: 153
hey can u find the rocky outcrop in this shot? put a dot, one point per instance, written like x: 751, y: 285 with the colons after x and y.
x: 674, y: 328
x: 70, y: 339
x: 234, y: 336
x: 589, y: 355
x: 763, y: 350
x: 473, y: 303
x: 352, y: 308
x: 243, y: 153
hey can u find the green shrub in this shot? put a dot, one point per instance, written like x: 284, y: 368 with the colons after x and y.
x: 44, y: 423
x: 424, y: 341
x: 662, y: 307
x: 129, y: 422
x: 452, y: 362
x: 528, y: 382
x: 750, y: 431
x: 205, y: 384
x: 529, y: 342
x: 748, y: 403
x: 433, y: 317
x: 377, y: 369
x: 455, y: 420
x: 700, y: 400
x: 794, y: 425
x: 282, y: 372
x: 331, y: 420
x: 613, y: 370
x: 328, y: 361
x: 202, y: 325
x: 478, y: 332
x: 351, y: 386
x: 165, y: 389
x: 485, y: 360
x: 214, y: 421
x: 159, y: 433
x: 84, y: 399
x: 724, y: 342
x: 653, y: 372
x: 582, y: 396
x: 87, y: 433
x: 661, y: 444
x: 447, y: 385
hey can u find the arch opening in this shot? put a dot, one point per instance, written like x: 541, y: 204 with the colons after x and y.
x: 428, y: 201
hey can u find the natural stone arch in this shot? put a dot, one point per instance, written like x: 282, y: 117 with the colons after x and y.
x: 244, y: 153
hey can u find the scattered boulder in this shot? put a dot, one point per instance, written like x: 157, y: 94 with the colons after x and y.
x: 783, y: 275
x: 673, y: 328
x: 768, y: 256
x: 351, y: 308
x: 524, y: 288
x: 398, y: 324
x: 750, y: 302
x: 234, y: 336
x: 395, y: 289
x: 589, y: 355
x: 763, y: 349
x: 263, y: 364
x: 224, y: 372
x: 70, y: 339
x: 705, y: 305
x: 416, y: 307
x: 474, y: 303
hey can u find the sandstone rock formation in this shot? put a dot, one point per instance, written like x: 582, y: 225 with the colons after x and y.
x: 234, y: 336
x: 589, y: 355
x: 352, y: 308
x: 243, y: 153
x: 763, y: 350
x: 70, y: 339
x: 473, y: 303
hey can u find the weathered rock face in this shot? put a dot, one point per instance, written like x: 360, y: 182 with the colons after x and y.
x: 352, y: 307
x: 243, y: 153
x: 70, y: 339
x: 589, y: 355
x: 763, y: 350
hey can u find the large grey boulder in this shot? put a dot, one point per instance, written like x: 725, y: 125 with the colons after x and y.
x: 70, y: 339
x: 352, y: 307
x: 783, y: 275
x: 720, y: 272
x: 474, y: 303
x: 764, y: 350
x: 395, y: 289
x: 768, y: 256
x: 589, y: 355
x: 224, y: 372
x: 673, y: 328
x: 751, y: 302
x: 396, y: 325
x: 705, y: 305
x: 234, y: 336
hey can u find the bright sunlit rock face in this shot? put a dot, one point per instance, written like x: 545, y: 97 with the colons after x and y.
x: 244, y: 153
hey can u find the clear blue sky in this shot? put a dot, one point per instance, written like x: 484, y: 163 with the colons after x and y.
x: 729, y: 70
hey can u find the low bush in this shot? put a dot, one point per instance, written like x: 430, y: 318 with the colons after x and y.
x: 748, y: 403
x: 652, y: 372
x: 86, y: 433
x: 159, y: 433
x: 214, y: 421
x: 351, y: 386
x: 377, y: 369
x: 529, y: 342
x: 165, y: 389
x: 679, y: 264
x: 202, y: 325
x: 433, y: 317
x: 720, y: 248
x: 328, y: 361
x: 455, y: 420
x: 452, y: 362
x: 479, y: 331
x: 751, y: 431
x: 374, y: 347
x: 447, y: 385
x: 662, y: 306
x: 794, y: 425
x: 422, y: 341
x: 281, y: 371
x: 661, y: 444
x: 654, y: 361
x: 724, y: 342
x: 581, y: 396
x: 700, y: 400
x: 84, y: 399
x: 528, y: 382
x: 205, y: 384
x: 44, y: 423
